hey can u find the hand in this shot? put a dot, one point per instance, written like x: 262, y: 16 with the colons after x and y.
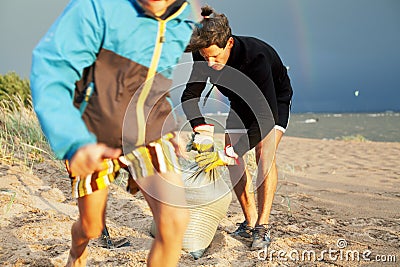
x: 211, y: 160
x: 202, y: 139
x: 89, y: 158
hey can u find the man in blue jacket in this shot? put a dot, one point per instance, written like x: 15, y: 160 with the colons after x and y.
x: 99, y: 80
x: 250, y: 73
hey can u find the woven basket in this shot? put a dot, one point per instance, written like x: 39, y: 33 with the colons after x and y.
x: 208, y: 202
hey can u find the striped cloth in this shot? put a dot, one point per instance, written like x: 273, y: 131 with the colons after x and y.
x: 156, y: 157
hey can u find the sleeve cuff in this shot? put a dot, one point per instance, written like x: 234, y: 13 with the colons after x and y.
x: 197, y: 121
x: 280, y: 128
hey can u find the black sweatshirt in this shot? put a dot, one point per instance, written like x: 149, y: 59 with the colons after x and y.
x: 255, y: 76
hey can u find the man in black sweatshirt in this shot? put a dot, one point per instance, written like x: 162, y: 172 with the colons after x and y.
x: 250, y: 73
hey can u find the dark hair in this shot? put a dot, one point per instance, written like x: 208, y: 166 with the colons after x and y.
x: 214, y: 29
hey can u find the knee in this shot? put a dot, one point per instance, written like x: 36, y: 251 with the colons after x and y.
x: 178, y: 219
x: 173, y: 224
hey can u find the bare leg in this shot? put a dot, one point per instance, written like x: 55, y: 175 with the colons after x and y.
x: 132, y: 186
x: 166, y: 199
x: 242, y: 184
x: 267, y: 178
x: 265, y: 195
x: 89, y: 225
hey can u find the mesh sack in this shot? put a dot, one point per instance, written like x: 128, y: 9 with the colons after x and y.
x: 208, y: 197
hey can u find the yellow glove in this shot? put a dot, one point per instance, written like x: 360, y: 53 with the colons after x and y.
x: 202, y: 138
x: 211, y: 160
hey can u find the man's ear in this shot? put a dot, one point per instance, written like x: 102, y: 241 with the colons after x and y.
x: 230, y: 42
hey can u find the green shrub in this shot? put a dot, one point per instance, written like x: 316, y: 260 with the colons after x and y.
x: 12, y: 85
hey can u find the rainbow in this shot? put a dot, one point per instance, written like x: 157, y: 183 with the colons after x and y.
x: 196, y: 10
x: 304, y: 38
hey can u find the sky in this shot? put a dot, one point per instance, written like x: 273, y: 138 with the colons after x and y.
x: 343, y: 55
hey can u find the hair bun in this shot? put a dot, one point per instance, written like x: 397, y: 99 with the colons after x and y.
x: 207, y: 11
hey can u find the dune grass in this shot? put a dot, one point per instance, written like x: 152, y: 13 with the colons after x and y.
x: 21, y: 139
x: 356, y: 138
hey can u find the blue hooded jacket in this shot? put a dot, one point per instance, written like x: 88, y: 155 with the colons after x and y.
x: 124, y: 54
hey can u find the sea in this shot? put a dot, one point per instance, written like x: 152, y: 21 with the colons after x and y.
x: 378, y: 127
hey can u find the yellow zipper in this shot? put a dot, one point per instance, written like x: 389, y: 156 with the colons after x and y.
x: 150, y: 75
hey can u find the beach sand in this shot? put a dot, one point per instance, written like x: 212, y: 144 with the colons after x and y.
x: 331, y: 195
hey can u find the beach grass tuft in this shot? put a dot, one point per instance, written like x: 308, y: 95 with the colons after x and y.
x: 21, y: 139
x: 357, y: 138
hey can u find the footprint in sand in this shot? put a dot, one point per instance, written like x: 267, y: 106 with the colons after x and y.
x: 383, y: 235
